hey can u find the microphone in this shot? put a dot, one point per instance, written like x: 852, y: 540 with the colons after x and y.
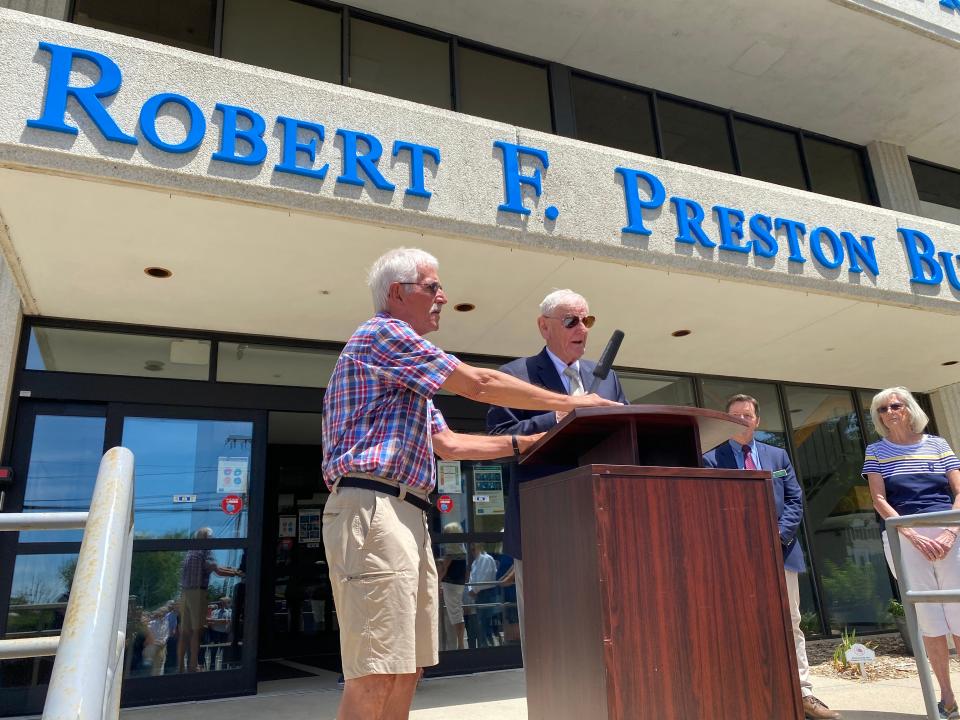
x: 602, y: 369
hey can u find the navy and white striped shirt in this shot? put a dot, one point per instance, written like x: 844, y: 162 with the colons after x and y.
x: 914, y: 476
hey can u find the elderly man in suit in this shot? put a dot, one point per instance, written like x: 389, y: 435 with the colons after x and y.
x: 564, y: 323
x: 743, y: 451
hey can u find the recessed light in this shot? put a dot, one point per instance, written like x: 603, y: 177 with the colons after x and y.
x: 324, y: 292
x: 464, y: 307
x: 153, y: 365
x: 158, y: 272
x: 681, y: 333
x: 950, y: 362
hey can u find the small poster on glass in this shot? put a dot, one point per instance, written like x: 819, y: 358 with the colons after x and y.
x: 488, y: 490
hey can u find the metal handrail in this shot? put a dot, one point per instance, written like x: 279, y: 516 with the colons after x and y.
x: 912, y: 597
x: 87, y: 671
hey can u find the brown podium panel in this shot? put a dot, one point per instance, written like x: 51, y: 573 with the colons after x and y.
x: 653, y: 592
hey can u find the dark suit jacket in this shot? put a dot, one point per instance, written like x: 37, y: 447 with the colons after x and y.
x: 538, y: 370
x: 786, y: 492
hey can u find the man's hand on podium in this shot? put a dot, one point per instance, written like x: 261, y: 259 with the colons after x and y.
x: 527, y: 441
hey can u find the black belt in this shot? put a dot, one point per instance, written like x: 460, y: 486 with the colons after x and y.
x: 386, y: 488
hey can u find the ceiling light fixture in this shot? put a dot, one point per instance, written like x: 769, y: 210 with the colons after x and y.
x: 681, y: 333
x: 464, y: 307
x: 949, y: 362
x: 158, y: 272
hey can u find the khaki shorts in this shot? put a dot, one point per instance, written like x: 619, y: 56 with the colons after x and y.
x: 194, y: 610
x: 453, y: 602
x: 384, y: 583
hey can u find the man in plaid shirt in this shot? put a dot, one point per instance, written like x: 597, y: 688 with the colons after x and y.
x: 380, y: 433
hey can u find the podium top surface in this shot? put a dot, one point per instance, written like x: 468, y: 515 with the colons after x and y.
x: 712, y: 426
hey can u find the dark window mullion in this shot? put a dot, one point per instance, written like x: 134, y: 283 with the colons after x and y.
x: 345, y: 46
x: 734, y: 148
x: 657, y: 131
x: 803, y: 162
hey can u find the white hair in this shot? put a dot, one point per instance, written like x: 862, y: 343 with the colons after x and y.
x: 203, y: 532
x: 402, y: 265
x: 560, y: 297
x: 918, y: 418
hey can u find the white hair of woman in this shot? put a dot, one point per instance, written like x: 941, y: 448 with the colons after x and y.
x: 560, y: 297
x: 203, y: 533
x: 402, y: 265
x: 918, y: 418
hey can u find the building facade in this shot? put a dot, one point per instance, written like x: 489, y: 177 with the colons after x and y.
x: 761, y: 195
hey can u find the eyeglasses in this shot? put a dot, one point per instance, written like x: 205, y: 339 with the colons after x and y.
x: 570, y: 321
x: 896, y: 407
x: 431, y: 287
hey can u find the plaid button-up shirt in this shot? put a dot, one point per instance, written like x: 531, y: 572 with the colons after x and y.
x: 378, y: 415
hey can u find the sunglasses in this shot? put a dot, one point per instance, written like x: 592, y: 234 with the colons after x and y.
x: 570, y: 321
x: 431, y: 287
x: 896, y: 407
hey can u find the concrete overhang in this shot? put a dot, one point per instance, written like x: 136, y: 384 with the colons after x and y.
x: 254, y: 251
x: 859, y: 70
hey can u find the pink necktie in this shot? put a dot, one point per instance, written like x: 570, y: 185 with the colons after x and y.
x: 748, y: 463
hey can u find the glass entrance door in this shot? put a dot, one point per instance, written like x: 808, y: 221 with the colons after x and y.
x: 298, y: 619
x: 197, y: 498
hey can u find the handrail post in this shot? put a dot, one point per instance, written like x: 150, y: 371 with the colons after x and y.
x: 85, y: 681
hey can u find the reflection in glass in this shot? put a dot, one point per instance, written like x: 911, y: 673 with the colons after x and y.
x: 311, y: 37
x: 769, y: 153
x: 274, y: 365
x: 695, y: 136
x: 613, y: 115
x: 717, y: 392
x: 478, y: 603
x: 103, y: 353
x: 186, y: 612
x: 836, y: 170
x: 189, y: 475
x: 453, y: 478
x: 190, y: 27
x: 936, y: 184
x: 499, y: 88
x: 39, y: 594
x: 64, y: 459
x: 839, y: 510
x: 398, y: 63
x: 651, y: 389
x: 865, y: 397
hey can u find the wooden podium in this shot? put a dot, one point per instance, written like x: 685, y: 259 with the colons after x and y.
x: 653, y: 587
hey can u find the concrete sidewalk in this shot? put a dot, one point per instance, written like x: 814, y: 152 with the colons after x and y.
x: 501, y: 696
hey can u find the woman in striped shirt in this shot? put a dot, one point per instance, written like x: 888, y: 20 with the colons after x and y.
x: 910, y: 472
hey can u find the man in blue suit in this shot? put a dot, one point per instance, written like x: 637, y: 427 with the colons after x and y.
x: 564, y: 323
x: 744, y: 452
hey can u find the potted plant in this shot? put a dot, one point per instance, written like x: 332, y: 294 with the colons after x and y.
x: 895, y: 608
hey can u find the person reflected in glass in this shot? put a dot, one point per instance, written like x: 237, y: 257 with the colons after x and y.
x: 912, y: 472
x: 198, y: 565
x: 157, y: 634
x: 482, y: 591
x: 452, y: 571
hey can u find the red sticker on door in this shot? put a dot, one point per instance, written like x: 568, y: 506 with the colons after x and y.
x: 444, y: 503
x: 232, y: 504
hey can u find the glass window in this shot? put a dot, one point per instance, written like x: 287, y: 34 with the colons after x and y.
x: 770, y: 154
x: 488, y: 495
x: 192, y: 476
x: 836, y: 170
x: 399, y: 63
x: 839, y: 510
x: 38, y: 597
x: 187, y: 24
x: 695, y: 136
x: 274, y: 365
x: 612, y: 115
x: 453, y: 478
x: 64, y: 460
x: 865, y: 397
x: 478, y: 598
x: 656, y: 389
x: 771, y: 430
x: 936, y: 185
x: 104, y: 353
x: 499, y: 88
x: 183, y: 613
x: 289, y: 36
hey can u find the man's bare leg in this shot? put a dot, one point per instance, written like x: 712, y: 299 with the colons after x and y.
x: 400, y: 700
x: 365, y: 698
